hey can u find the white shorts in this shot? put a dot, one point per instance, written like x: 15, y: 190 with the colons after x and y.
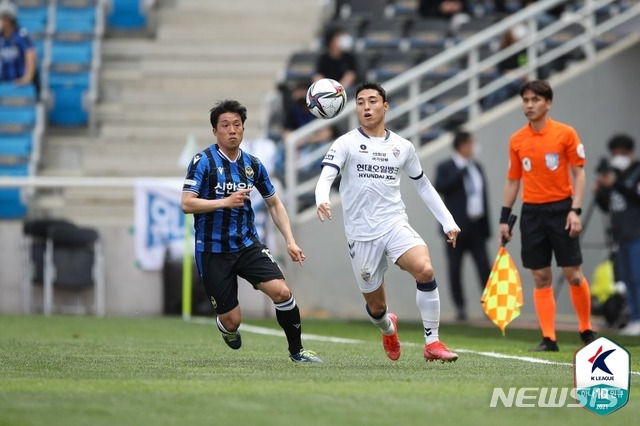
x: 368, y: 258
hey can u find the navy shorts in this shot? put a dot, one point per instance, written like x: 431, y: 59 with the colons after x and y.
x: 543, y: 234
x: 220, y: 272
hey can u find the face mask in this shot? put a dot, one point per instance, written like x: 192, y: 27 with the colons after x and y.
x: 620, y: 162
x: 345, y: 42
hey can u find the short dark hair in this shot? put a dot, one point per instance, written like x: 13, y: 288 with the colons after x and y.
x: 539, y: 87
x: 373, y: 86
x: 621, y: 141
x: 331, y: 32
x: 460, y: 138
x: 226, y: 105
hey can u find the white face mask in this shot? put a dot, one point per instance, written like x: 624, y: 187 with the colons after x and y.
x: 345, y: 42
x: 620, y: 162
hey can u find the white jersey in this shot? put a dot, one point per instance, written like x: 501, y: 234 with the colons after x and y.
x: 370, y: 185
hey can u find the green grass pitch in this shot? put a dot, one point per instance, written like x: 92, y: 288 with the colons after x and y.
x: 68, y: 370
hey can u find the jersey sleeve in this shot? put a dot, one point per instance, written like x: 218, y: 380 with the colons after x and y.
x: 263, y: 183
x: 195, y: 174
x: 514, y: 170
x: 575, y: 148
x: 337, y: 154
x: 412, y: 166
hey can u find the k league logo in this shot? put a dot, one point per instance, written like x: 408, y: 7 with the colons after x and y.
x: 602, y: 376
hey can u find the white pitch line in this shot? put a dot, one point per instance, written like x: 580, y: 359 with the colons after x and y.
x: 279, y: 333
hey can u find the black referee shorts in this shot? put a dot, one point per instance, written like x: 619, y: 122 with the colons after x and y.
x: 220, y: 272
x: 543, y: 234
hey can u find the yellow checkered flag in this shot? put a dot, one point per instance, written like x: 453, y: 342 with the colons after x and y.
x: 502, y: 295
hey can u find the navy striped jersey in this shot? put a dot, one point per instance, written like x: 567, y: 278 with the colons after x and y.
x: 12, y: 52
x: 212, y: 175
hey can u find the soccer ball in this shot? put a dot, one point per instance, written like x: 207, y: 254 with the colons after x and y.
x: 326, y: 98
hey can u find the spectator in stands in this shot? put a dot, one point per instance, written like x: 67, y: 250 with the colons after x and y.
x: 508, y: 66
x: 297, y: 115
x: 337, y: 61
x: 457, y: 12
x: 17, y: 54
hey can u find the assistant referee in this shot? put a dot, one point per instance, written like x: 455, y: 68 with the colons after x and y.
x: 544, y: 155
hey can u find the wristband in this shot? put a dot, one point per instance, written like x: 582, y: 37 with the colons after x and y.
x: 504, y: 214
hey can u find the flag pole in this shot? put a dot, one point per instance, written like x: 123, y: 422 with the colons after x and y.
x: 186, y: 270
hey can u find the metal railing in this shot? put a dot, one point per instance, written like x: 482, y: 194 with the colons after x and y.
x: 539, y: 50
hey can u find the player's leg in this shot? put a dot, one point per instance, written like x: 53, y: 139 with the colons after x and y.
x: 454, y: 265
x: 221, y: 285
x: 369, y: 265
x: 408, y: 250
x: 258, y: 267
x: 536, y: 252
x: 569, y: 257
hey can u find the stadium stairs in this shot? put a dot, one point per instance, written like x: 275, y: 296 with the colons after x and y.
x: 155, y: 91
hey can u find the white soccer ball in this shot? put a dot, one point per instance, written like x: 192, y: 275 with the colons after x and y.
x: 326, y: 98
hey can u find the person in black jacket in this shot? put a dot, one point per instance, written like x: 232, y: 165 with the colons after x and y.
x: 618, y: 192
x: 462, y: 184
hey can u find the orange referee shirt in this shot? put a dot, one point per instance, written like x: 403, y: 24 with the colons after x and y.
x: 543, y: 161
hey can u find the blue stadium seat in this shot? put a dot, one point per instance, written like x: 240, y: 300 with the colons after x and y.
x: 127, y: 15
x: 68, y: 91
x: 76, y: 17
x: 71, y: 53
x: 15, y: 146
x: 11, y: 94
x: 14, y: 119
x: 34, y: 15
x: 11, y: 204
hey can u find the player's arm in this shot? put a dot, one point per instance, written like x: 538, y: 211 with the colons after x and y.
x: 573, y: 224
x: 509, y: 194
x: 281, y: 219
x: 323, y: 191
x: 192, y: 204
x: 433, y: 201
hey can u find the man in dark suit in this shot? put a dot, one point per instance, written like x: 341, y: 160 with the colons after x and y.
x: 461, y: 183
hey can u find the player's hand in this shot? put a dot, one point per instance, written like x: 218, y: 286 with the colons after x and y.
x: 452, y: 236
x: 296, y: 253
x: 574, y: 224
x: 324, y: 210
x: 238, y: 198
x: 504, y: 235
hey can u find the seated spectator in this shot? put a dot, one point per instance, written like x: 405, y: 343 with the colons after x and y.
x: 337, y: 61
x: 457, y: 12
x: 297, y: 115
x: 508, y: 66
x: 17, y: 54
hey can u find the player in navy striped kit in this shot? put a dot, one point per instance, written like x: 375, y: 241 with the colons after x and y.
x: 216, y: 191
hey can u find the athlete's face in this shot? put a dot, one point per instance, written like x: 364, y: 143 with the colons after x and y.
x: 229, y: 132
x: 535, y: 106
x: 370, y: 108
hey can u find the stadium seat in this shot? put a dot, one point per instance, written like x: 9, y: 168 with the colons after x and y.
x: 12, y: 205
x: 428, y: 33
x: 75, y: 52
x: 301, y: 66
x: 73, y: 261
x: 15, y: 95
x: 364, y: 10
x: 68, y: 92
x: 34, y: 15
x: 127, y: 14
x: 383, y: 34
x: 15, y: 146
x: 16, y: 119
x: 391, y: 64
x: 79, y: 17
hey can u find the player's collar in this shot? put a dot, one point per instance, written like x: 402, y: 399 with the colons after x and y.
x: 225, y: 155
x: 386, y: 138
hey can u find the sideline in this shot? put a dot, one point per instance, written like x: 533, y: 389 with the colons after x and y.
x: 279, y: 333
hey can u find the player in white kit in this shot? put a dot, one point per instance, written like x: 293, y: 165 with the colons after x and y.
x: 376, y: 225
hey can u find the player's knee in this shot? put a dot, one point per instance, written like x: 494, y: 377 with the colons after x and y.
x: 575, y: 280
x: 425, y: 274
x: 542, y: 280
x: 281, y: 294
